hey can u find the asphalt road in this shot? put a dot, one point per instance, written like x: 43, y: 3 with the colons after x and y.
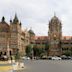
x: 47, y: 66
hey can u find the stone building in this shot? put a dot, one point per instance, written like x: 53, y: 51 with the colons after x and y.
x: 41, y: 41
x: 55, y: 35
x: 66, y: 45
x: 12, y: 38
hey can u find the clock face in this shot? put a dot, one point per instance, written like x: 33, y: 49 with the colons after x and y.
x: 54, y: 35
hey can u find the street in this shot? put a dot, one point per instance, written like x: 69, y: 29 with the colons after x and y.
x: 47, y: 66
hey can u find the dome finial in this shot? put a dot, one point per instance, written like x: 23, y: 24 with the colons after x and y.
x: 54, y: 13
x: 10, y: 19
x: 3, y: 19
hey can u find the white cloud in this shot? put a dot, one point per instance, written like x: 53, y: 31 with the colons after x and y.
x: 37, y: 13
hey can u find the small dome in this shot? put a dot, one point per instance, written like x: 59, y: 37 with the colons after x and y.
x: 31, y: 32
x: 55, y: 19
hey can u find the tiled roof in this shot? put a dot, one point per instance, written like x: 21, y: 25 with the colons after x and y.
x: 66, y: 37
x: 46, y: 37
x: 41, y: 37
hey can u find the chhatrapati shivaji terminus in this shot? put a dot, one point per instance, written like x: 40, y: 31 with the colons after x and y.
x: 57, y: 43
x: 13, y: 39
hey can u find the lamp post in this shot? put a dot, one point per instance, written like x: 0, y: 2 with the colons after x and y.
x: 32, y: 52
x: 8, y: 51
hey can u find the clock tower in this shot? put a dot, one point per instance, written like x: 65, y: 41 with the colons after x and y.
x: 55, y: 34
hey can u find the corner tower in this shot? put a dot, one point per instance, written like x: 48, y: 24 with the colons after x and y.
x: 15, y: 33
x: 55, y: 34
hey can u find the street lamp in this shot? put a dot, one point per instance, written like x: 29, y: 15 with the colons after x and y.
x: 8, y: 51
x: 32, y: 52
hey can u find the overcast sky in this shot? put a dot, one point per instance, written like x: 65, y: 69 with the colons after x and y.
x: 36, y: 14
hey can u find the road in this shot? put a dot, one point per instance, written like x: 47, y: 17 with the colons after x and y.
x: 47, y: 66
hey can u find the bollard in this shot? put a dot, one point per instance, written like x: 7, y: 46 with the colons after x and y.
x: 21, y: 65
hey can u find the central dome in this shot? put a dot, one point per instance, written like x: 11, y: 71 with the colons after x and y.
x: 54, y: 18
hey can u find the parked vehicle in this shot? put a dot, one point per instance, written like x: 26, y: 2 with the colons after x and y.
x: 44, y: 57
x: 66, y: 57
x: 4, y: 58
x: 49, y: 57
x: 69, y: 58
x: 56, y: 58
x: 25, y: 58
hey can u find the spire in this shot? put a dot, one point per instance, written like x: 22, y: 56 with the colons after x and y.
x: 20, y: 23
x: 54, y: 13
x: 15, y: 19
x: 54, y: 17
x: 3, y: 19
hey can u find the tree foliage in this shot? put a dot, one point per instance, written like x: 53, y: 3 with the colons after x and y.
x: 17, y: 56
x: 46, y: 48
x: 28, y: 50
x: 38, y: 51
x: 67, y: 53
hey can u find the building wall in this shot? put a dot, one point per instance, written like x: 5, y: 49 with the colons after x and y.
x: 11, y: 37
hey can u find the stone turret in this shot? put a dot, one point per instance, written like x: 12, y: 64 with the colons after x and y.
x: 15, y: 20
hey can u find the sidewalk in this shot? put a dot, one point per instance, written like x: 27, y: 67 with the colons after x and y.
x: 6, y: 66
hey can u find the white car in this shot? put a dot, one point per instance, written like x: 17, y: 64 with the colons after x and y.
x: 56, y: 58
x: 26, y: 58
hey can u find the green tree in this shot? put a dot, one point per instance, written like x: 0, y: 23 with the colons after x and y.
x: 17, y: 56
x: 29, y: 50
x: 46, y: 48
x: 71, y: 51
x: 38, y: 51
x: 67, y: 53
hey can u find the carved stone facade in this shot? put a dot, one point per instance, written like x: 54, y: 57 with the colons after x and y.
x: 55, y: 35
x: 12, y: 38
